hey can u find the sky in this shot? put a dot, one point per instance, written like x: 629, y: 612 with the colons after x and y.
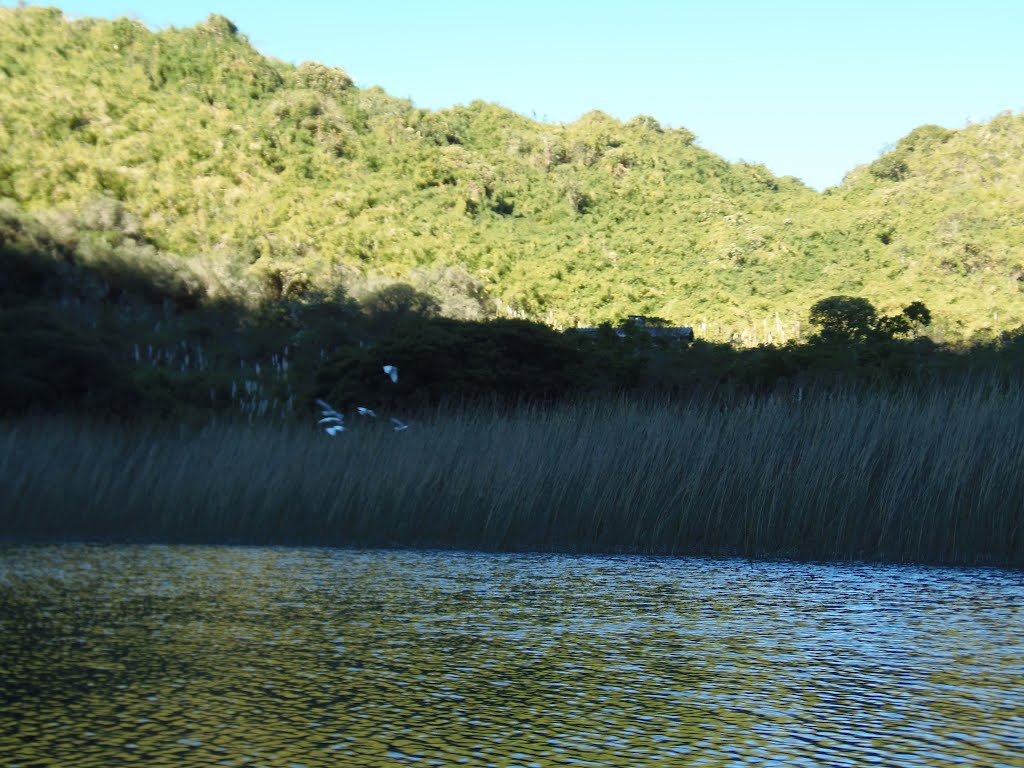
x: 810, y: 88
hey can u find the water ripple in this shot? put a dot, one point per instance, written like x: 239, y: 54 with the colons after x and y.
x: 305, y: 657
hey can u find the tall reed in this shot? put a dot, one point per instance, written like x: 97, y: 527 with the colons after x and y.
x: 926, y: 477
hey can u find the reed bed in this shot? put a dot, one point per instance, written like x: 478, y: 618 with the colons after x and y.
x: 936, y: 477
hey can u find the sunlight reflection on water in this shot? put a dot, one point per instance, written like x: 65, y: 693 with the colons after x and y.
x: 282, y: 657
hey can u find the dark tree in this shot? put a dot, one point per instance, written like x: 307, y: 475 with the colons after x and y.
x: 844, y: 318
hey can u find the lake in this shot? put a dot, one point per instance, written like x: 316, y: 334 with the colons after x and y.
x: 248, y: 656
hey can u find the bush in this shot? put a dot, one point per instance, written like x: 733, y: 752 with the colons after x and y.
x: 890, y: 167
x: 50, y: 364
x: 331, y: 81
x: 442, y: 360
x: 646, y: 123
x: 924, y: 138
x: 398, y: 303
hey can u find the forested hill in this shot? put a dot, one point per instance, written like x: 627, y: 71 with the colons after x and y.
x: 191, y: 157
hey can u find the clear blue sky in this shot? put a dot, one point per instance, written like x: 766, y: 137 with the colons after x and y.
x: 810, y: 88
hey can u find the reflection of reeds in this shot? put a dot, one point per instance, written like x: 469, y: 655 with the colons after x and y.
x: 931, y: 478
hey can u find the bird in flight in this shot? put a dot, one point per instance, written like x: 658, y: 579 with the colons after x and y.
x: 392, y: 371
x: 399, y: 426
x: 328, y: 410
x: 365, y: 411
x: 332, y: 417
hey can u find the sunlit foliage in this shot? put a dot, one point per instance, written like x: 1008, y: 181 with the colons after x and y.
x: 254, y: 179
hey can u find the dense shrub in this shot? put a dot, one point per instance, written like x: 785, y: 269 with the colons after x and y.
x: 245, y: 166
x: 891, y: 167
x: 51, y: 365
x: 332, y: 81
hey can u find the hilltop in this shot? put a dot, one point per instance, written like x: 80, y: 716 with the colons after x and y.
x: 226, y: 175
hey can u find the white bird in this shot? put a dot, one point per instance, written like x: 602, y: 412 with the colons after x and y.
x: 328, y: 411
x: 392, y: 371
x: 399, y: 426
x: 365, y: 411
x: 332, y: 417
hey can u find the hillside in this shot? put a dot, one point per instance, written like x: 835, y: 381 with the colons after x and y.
x: 188, y: 155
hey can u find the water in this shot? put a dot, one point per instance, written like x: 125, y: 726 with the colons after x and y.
x: 169, y: 656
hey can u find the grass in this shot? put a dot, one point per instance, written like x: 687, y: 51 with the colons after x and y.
x: 936, y: 477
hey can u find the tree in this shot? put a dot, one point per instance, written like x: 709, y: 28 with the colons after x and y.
x: 919, y: 316
x: 844, y: 318
x: 913, y: 317
x: 853, y: 319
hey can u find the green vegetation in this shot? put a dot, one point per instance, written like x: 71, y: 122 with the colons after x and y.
x: 849, y: 320
x: 92, y: 331
x: 848, y: 475
x: 191, y: 233
x: 188, y: 153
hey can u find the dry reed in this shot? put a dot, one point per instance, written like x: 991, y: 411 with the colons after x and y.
x: 935, y: 477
